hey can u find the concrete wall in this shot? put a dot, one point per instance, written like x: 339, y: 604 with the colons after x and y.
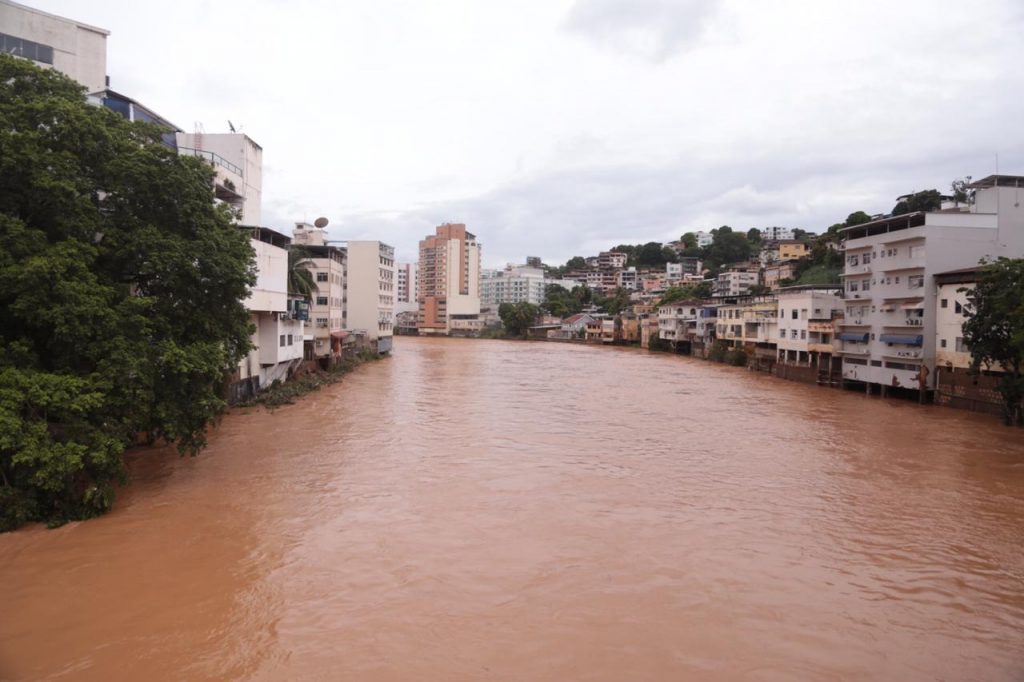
x: 240, y: 150
x: 271, y: 290
x: 79, y: 50
x: 371, y: 289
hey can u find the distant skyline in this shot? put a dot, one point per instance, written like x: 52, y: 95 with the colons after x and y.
x: 561, y: 128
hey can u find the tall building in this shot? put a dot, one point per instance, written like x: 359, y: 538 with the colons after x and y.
x: 325, y: 332
x: 449, y: 281
x: 773, y: 234
x: 889, y: 331
x: 71, y: 47
x: 370, y: 292
x: 517, y: 284
x: 406, y: 288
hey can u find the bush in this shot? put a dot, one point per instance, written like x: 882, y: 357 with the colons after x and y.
x: 736, y: 358
x: 718, y: 351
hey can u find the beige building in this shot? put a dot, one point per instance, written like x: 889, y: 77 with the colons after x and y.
x: 449, y: 281
x: 326, y: 330
x: 71, y: 47
x: 806, y: 328
x: 406, y: 288
x: 951, y: 353
x: 889, y: 334
x: 370, y: 292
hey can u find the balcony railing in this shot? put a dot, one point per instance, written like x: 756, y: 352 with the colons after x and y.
x: 213, y: 158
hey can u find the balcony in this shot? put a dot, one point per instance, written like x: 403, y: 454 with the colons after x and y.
x: 820, y: 327
x: 854, y: 350
x: 855, y: 270
x: 820, y: 348
x: 906, y: 354
x: 854, y: 322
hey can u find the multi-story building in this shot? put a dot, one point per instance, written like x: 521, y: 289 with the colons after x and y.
x: 806, y: 325
x: 406, y: 290
x: 952, y: 290
x: 611, y: 260
x: 751, y: 323
x: 326, y: 331
x: 776, y: 273
x: 889, y: 334
x: 71, y: 47
x: 517, y: 284
x: 677, y: 322
x: 704, y: 239
x: 774, y: 252
x: 277, y: 337
x: 628, y: 279
x: 736, y: 280
x: 773, y: 234
x: 449, y: 281
x: 238, y: 163
x: 369, y: 293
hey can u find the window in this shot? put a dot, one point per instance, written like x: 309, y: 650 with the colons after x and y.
x: 942, y: 343
x: 782, y: 312
x: 795, y: 313
x: 897, y: 279
x: 866, y: 285
x: 876, y: 363
x: 803, y: 333
x: 282, y: 341
x: 944, y: 303
x: 321, y: 276
x: 867, y: 258
x: 957, y: 308
x: 321, y: 300
x: 782, y: 333
x: 803, y: 313
x: 20, y: 47
x: 290, y: 339
x: 853, y: 260
x: 792, y: 333
x: 915, y: 281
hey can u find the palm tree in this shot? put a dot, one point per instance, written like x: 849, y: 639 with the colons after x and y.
x: 300, y: 279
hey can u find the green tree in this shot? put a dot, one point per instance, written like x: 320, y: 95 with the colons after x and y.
x: 517, y: 318
x: 928, y: 200
x: 857, y: 218
x: 994, y: 330
x: 576, y: 263
x: 300, y: 279
x: 689, y: 239
x: 121, y: 289
x: 727, y: 246
x: 614, y: 303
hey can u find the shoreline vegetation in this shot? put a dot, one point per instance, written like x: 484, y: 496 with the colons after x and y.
x: 283, y: 393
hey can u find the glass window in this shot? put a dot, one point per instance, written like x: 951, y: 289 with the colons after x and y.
x: 958, y: 309
x: 282, y: 341
x: 321, y: 276
x: 942, y: 343
x: 961, y: 347
x: 944, y: 303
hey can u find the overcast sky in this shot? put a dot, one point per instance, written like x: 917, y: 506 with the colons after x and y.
x: 561, y: 127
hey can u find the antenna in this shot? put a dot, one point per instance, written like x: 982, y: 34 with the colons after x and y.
x: 231, y: 126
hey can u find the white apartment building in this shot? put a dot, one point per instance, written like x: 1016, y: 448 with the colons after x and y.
x: 78, y: 50
x: 950, y: 314
x: 238, y: 162
x: 805, y: 330
x: 517, y: 284
x: 889, y: 334
x: 628, y: 279
x: 704, y: 239
x: 406, y: 289
x: 771, y: 234
x: 370, y: 292
x: 326, y: 331
x: 278, y: 337
x: 677, y: 322
x: 736, y: 281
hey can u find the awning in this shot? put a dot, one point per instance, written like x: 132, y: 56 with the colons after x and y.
x: 338, y: 335
x: 851, y: 336
x: 905, y: 339
x: 912, y: 306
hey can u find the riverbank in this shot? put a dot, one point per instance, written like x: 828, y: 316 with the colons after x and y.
x: 285, y: 393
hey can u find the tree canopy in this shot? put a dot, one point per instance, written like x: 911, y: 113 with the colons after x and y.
x: 517, y: 318
x: 121, y: 289
x: 928, y: 200
x: 994, y: 330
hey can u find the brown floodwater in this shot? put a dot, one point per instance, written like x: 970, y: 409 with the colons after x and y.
x: 495, y: 510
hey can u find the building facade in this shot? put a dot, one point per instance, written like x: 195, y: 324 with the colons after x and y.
x: 238, y: 163
x: 369, y: 292
x: 75, y: 49
x: 889, y: 332
x: 326, y: 331
x: 406, y: 289
x: 449, y: 281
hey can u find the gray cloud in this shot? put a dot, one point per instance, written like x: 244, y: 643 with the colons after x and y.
x: 654, y: 29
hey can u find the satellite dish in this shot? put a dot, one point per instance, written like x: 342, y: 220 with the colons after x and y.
x: 320, y: 222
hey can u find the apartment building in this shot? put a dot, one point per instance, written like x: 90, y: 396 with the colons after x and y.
x: 278, y: 324
x: 752, y: 324
x: 736, y: 280
x: 613, y: 260
x: 774, y: 234
x: 406, y: 290
x: 774, y: 252
x: 776, y: 273
x: 78, y: 50
x: 449, y: 281
x: 889, y: 334
x: 628, y: 279
x: 806, y: 325
x: 517, y: 284
x: 238, y: 163
x: 326, y: 332
x: 370, y: 291
x: 704, y: 239
x: 677, y: 322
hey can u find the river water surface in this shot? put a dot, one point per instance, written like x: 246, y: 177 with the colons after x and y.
x: 493, y: 510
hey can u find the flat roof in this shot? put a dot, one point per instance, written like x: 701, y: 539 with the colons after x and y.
x: 998, y: 181
x: 906, y: 220
x: 960, y: 275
